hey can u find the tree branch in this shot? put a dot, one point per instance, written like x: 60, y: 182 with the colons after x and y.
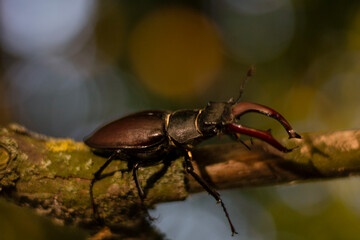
x: 53, y: 175
x: 318, y: 156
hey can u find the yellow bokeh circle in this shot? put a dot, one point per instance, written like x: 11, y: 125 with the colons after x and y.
x: 176, y: 52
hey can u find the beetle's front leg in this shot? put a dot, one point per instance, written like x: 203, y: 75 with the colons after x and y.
x: 190, y: 169
x: 237, y: 138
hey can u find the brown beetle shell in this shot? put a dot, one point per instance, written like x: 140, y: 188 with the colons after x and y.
x: 139, y: 130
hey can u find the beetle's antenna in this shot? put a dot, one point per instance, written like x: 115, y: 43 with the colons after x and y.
x: 249, y: 74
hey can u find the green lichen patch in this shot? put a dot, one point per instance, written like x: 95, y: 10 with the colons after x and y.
x: 67, y: 164
x: 64, y: 145
x: 9, y: 180
x: 55, y: 175
x: 171, y: 186
x: 116, y: 194
x: 75, y: 194
x: 333, y: 152
x: 105, y: 186
x: 4, y: 157
x: 72, y: 193
x: 301, y: 154
x: 328, y: 153
x: 10, y: 145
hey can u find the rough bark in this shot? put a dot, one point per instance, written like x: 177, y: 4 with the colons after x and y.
x: 318, y: 156
x: 53, y: 175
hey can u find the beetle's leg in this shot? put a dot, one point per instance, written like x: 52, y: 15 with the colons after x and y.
x: 190, y: 169
x: 97, y: 175
x: 135, y: 167
x: 263, y: 135
x: 236, y: 136
x: 138, y: 186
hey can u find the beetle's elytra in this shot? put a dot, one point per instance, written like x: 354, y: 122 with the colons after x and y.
x: 151, y: 137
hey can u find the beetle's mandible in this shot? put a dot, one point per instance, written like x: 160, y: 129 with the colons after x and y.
x: 151, y: 137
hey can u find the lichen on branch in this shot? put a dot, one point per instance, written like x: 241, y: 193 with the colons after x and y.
x: 53, y: 175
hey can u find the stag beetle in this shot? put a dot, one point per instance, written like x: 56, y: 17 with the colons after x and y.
x: 152, y: 137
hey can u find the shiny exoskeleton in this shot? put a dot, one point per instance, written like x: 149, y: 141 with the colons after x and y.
x: 151, y: 137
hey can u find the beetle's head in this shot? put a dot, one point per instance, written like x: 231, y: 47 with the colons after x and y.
x: 214, y: 117
x: 219, y: 117
x: 241, y: 108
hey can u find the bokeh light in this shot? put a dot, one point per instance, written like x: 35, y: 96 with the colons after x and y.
x: 66, y: 67
x: 42, y: 27
x: 335, y: 104
x: 176, y: 52
x: 345, y: 190
x: 255, y: 31
x: 308, y: 199
x: 199, y: 217
x: 54, y: 87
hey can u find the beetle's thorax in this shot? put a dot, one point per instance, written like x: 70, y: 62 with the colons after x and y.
x: 181, y: 128
x: 189, y: 127
x: 214, y: 117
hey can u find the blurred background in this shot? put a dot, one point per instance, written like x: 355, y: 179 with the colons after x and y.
x: 67, y: 67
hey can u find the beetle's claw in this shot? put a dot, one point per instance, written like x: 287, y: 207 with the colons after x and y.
x: 237, y: 138
x: 293, y: 134
x: 244, y: 107
x: 262, y: 135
